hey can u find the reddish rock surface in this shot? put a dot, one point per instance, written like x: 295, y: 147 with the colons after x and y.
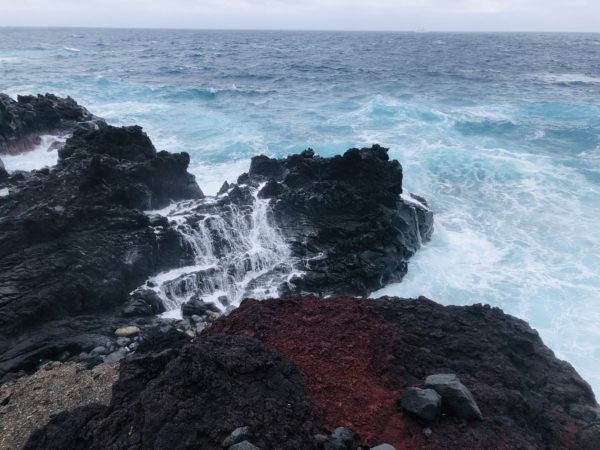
x: 357, y: 355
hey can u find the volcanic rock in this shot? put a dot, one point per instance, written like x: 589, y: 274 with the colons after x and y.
x: 23, y: 121
x: 457, y: 399
x: 197, y: 306
x: 143, y: 302
x: 425, y: 403
x: 383, y: 447
x: 344, y: 217
x: 237, y: 435
x: 3, y: 172
x: 74, y: 240
x: 192, y: 397
x: 358, y: 356
x: 244, y: 445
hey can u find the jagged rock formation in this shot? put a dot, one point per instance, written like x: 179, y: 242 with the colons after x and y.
x: 193, y: 397
x: 357, y: 357
x: 344, y: 217
x: 23, y: 121
x: 74, y: 240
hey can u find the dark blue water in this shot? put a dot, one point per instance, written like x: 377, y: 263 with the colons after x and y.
x: 501, y: 132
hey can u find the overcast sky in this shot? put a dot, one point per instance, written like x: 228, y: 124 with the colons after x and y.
x: 444, y: 15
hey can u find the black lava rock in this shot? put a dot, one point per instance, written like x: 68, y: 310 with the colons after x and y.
x: 74, y: 241
x: 344, y: 217
x: 425, y: 403
x: 192, y: 398
x: 22, y: 121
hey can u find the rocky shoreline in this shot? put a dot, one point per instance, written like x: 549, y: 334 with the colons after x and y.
x: 95, y: 249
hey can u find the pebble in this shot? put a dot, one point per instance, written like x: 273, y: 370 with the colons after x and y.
x: 123, y: 341
x: 100, y: 350
x: 244, y: 445
x: 238, y: 435
x: 384, y: 447
x: 127, y: 331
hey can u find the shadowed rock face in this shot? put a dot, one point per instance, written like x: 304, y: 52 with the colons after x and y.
x: 74, y: 239
x: 3, y: 172
x: 344, y: 217
x: 23, y: 121
x: 193, y: 398
x: 357, y: 357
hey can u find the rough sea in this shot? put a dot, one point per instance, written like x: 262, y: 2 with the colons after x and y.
x: 500, y: 132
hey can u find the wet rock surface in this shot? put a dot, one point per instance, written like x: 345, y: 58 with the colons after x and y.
x: 74, y: 241
x: 24, y: 120
x: 344, y: 217
x: 357, y: 354
x: 193, y: 397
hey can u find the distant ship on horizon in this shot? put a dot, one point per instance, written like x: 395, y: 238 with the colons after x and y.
x: 421, y: 30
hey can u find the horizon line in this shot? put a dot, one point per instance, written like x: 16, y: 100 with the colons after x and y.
x: 416, y: 31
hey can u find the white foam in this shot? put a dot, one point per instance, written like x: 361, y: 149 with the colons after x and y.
x: 4, y: 192
x: 71, y: 49
x: 44, y: 155
x: 569, y: 78
x: 237, y: 255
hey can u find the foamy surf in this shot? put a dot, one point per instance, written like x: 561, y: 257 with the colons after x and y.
x: 43, y: 155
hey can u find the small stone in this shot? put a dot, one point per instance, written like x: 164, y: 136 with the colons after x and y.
x: 456, y: 398
x: 425, y: 403
x: 190, y: 333
x: 116, y: 356
x: 123, y: 341
x: 127, y: 331
x: 244, y: 445
x: 427, y: 432
x: 100, y: 350
x: 133, y: 346
x: 320, y: 439
x: 238, y: 435
x: 212, y: 316
x: 196, y: 318
x: 384, y: 447
x: 341, y: 439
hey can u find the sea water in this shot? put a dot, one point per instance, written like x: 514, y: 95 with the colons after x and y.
x: 500, y: 132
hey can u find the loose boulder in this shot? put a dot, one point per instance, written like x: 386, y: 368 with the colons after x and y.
x: 425, y: 403
x: 456, y: 398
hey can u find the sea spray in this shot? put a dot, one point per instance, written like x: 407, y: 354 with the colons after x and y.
x: 237, y: 251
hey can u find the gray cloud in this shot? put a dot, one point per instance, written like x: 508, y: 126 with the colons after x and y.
x: 451, y: 15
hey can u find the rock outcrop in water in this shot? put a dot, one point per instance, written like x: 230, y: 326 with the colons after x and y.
x: 22, y: 122
x: 344, y: 218
x: 356, y: 357
x: 303, y: 224
x: 74, y: 241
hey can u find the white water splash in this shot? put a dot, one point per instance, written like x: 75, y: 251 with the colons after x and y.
x: 238, y: 254
x: 43, y: 155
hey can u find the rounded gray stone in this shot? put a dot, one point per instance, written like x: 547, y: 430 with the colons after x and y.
x: 456, y: 398
x: 425, y: 403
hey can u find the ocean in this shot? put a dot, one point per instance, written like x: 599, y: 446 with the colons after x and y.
x: 500, y: 132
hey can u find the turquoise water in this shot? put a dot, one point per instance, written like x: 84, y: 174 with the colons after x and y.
x: 500, y: 132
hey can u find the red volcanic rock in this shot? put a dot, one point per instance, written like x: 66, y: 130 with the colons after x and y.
x: 342, y: 348
x: 357, y: 355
